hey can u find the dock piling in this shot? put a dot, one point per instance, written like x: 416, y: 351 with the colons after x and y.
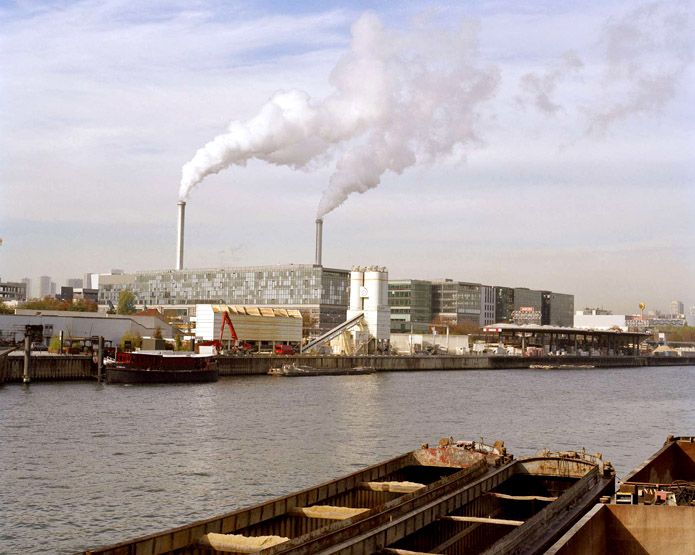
x: 26, y: 377
x: 100, y: 359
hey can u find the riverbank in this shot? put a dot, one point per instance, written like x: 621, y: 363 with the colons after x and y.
x: 48, y: 367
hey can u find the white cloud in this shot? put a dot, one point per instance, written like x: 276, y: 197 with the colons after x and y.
x: 102, y: 102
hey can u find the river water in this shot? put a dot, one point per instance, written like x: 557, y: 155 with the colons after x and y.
x: 83, y: 464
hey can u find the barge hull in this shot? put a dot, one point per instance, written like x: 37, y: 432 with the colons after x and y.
x: 137, y: 376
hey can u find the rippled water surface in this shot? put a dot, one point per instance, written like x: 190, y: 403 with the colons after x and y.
x: 83, y: 464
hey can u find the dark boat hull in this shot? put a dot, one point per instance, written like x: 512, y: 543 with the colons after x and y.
x: 121, y: 375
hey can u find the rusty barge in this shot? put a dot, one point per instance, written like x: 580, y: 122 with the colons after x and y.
x: 456, y: 497
x: 156, y: 367
x: 653, y: 511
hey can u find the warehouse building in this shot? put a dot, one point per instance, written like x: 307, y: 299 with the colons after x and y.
x: 79, y: 325
x: 258, y: 326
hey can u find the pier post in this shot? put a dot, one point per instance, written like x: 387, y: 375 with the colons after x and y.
x: 26, y: 378
x: 100, y: 358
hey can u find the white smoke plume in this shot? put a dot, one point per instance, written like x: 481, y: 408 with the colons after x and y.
x: 647, y: 51
x: 537, y: 89
x: 399, y: 99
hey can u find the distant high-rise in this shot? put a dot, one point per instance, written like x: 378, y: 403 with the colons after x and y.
x: 91, y: 281
x: 53, y: 289
x: 677, y: 308
x: 75, y: 283
x: 44, y: 286
x: 27, y: 281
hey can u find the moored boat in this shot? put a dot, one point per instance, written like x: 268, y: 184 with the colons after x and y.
x: 652, y: 512
x: 295, y: 370
x: 521, y: 507
x: 376, y: 492
x: 148, y: 367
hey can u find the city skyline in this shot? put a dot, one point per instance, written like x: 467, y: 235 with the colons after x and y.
x: 579, y: 179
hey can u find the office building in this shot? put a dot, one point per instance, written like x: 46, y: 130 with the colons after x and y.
x: 456, y: 302
x: 504, y: 304
x: 411, y: 305
x: 487, y: 305
x: 13, y: 291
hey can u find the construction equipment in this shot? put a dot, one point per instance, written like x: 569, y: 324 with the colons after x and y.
x: 337, y: 331
x: 218, y: 343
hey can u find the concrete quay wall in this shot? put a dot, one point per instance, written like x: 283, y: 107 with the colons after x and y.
x: 255, y: 365
x: 79, y: 367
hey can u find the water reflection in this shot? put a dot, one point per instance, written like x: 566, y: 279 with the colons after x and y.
x: 87, y: 464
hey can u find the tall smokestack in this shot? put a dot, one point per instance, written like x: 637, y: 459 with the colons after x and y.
x: 319, y: 241
x: 179, y: 236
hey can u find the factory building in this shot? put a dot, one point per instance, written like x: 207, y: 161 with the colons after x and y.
x: 320, y: 294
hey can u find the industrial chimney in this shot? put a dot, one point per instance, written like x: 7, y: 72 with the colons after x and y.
x: 319, y: 241
x: 179, y: 237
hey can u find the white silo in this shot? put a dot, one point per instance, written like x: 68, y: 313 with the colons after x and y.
x: 376, y: 305
x: 356, y: 285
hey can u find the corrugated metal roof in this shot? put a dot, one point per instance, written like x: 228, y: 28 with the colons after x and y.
x: 263, y: 312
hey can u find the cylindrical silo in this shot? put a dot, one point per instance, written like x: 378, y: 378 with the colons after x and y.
x: 372, y: 282
x: 356, y: 283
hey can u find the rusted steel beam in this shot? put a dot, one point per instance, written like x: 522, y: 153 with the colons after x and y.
x: 521, y: 497
x: 482, y: 520
x: 393, y: 551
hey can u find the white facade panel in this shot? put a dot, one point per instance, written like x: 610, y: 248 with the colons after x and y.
x: 599, y: 321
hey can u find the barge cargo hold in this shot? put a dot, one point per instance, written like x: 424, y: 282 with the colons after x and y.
x: 411, y: 479
x: 454, y: 498
x: 653, y: 511
x: 143, y: 367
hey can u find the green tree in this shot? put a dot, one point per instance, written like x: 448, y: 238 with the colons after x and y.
x: 83, y: 305
x: 54, y: 345
x: 4, y: 309
x: 47, y: 303
x: 126, y: 302
x: 134, y: 339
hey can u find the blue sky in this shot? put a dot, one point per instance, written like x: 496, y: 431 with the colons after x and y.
x: 101, y: 103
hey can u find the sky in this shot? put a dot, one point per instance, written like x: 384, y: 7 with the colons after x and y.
x: 571, y: 170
